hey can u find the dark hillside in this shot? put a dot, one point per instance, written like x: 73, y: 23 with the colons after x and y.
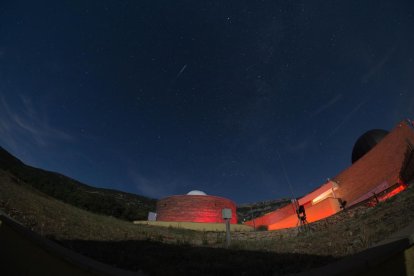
x: 103, y: 201
x: 158, y: 250
x: 257, y: 209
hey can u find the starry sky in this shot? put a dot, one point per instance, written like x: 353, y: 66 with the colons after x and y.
x: 236, y: 98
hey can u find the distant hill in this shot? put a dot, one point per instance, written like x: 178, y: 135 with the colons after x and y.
x: 253, y: 210
x: 103, y: 201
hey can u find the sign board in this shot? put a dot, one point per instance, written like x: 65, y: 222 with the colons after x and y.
x: 226, y: 213
x: 152, y: 216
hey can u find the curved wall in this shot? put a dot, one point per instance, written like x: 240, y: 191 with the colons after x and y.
x: 380, y: 168
x: 194, y: 208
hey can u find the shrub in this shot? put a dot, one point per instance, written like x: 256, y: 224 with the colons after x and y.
x: 262, y: 228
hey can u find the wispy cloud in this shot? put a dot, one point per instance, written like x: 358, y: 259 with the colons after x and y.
x: 346, y: 118
x: 22, y: 126
x: 157, y: 187
x: 327, y: 105
x: 181, y: 71
x: 378, y: 65
x: 145, y: 186
x: 299, y: 147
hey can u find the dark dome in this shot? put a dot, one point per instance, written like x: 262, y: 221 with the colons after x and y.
x: 366, y: 142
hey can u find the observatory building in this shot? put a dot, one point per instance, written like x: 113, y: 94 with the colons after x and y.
x: 382, y: 166
x: 367, y: 142
x: 195, y: 206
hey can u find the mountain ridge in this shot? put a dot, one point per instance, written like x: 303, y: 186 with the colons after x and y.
x: 104, y: 201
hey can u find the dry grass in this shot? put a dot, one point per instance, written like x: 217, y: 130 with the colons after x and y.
x: 156, y: 250
x: 346, y: 233
x: 343, y: 234
x: 53, y: 218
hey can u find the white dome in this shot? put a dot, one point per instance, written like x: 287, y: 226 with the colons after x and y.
x: 196, y: 192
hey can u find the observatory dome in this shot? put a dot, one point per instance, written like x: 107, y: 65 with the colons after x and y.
x: 366, y: 142
x: 196, y: 192
x: 195, y: 206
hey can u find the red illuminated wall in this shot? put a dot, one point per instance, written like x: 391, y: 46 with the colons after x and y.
x: 194, y: 208
x: 323, y: 209
x: 374, y: 172
x: 273, y: 217
x: 380, y: 166
x: 288, y: 212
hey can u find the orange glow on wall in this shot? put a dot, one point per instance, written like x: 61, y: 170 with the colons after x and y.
x: 273, y: 217
x: 288, y: 222
x: 394, y: 192
x: 376, y: 171
x: 323, y: 209
x: 327, y: 187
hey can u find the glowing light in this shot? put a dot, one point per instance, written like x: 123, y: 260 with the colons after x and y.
x: 394, y: 192
x: 194, y: 208
x: 325, y: 208
x: 328, y: 193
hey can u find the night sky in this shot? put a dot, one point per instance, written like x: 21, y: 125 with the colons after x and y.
x: 235, y: 98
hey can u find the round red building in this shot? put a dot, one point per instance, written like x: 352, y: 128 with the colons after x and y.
x: 196, y: 206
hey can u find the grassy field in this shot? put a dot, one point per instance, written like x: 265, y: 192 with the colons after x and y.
x: 158, y: 250
x: 157, y: 258
x: 53, y: 218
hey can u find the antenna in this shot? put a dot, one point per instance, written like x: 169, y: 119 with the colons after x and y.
x: 298, y: 209
x: 285, y: 173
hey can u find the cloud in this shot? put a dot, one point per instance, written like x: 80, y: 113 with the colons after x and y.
x: 22, y: 127
x: 327, y: 105
x: 154, y: 187
x: 346, y: 118
x: 378, y: 66
x: 146, y: 187
x: 299, y: 147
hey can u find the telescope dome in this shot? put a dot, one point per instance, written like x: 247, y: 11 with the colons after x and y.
x: 366, y: 142
x: 196, y: 192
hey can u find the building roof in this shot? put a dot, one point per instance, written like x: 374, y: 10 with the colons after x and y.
x: 196, y: 192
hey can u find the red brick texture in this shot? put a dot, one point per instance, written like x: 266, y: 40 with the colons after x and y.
x: 380, y: 166
x: 374, y: 172
x: 194, y: 208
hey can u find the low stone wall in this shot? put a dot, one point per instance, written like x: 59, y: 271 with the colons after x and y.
x: 317, y: 226
x: 198, y: 226
x: 346, y: 233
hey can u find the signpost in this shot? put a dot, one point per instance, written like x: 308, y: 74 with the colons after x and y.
x: 226, y: 213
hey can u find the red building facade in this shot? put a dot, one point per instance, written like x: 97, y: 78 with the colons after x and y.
x: 194, y: 208
x: 377, y: 171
